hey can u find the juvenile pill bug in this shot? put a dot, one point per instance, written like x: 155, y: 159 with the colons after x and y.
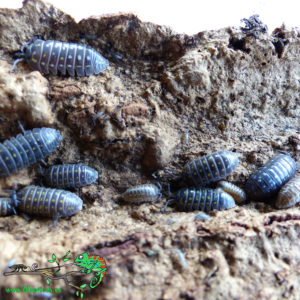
x: 142, y: 193
x: 203, y: 199
x: 6, y: 207
x: 237, y: 193
x: 267, y: 180
x: 69, y: 176
x: 26, y: 149
x: 210, y: 168
x: 46, y: 202
x: 55, y: 56
x: 289, y: 195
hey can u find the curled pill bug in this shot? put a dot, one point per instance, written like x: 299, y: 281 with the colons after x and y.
x: 61, y: 57
x: 142, y: 193
x: 237, y: 193
x: 6, y: 207
x: 289, y: 195
x: 46, y: 202
x: 26, y: 149
x: 210, y: 168
x: 69, y: 176
x: 267, y: 180
x: 203, y: 199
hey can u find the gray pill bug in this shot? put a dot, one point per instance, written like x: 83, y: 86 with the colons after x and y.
x: 69, y: 176
x: 46, y: 202
x: 26, y: 149
x: 202, y: 217
x: 6, y: 207
x: 142, y: 193
x: 267, y: 180
x: 61, y: 57
x: 210, y: 168
x: 237, y: 193
x: 289, y: 194
x: 203, y: 199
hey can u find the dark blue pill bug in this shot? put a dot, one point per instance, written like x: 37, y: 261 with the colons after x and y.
x: 61, y: 57
x: 210, y: 168
x: 6, y: 207
x: 202, y: 199
x: 69, y: 176
x: 267, y: 180
x: 46, y: 202
x: 26, y: 149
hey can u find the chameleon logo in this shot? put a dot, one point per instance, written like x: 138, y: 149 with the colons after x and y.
x: 88, y: 264
x: 92, y: 263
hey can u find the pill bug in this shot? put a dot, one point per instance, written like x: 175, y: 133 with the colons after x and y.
x: 237, y: 193
x: 289, y: 194
x: 267, y: 180
x: 69, y: 176
x: 26, y: 149
x: 6, y: 207
x: 202, y: 217
x: 210, y: 168
x: 46, y: 202
x: 203, y: 199
x: 55, y: 56
x: 142, y: 193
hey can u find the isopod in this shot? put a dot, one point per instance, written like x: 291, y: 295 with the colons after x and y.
x: 69, y: 175
x: 26, y: 149
x: 142, y: 193
x: 237, y: 193
x: 6, y: 207
x: 267, y: 180
x: 55, y: 56
x: 289, y: 194
x: 203, y: 199
x: 46, y: 202
x: 210, y: 168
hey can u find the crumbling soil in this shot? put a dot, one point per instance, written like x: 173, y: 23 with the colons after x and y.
x: 165, y: 99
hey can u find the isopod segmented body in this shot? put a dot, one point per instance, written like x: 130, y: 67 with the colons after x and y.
x: 142, y: 193
x: 46, y: 202
x: 237, y: 193
x: 289, y: 194
x: 6, y: 207
x: 267, y: 180
x: 26, y: 149
x: 71, y: 175
x: 55, y: 56
x: 210, y: 168
x: 202, y: 199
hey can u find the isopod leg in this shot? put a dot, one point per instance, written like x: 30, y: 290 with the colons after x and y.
x: 12, y: 208
x: 21, y: 126
x: 14, y: 198
x: 26, y: 217
x: 14, y: 64
x: 54, y: 220
x: 166, y: 205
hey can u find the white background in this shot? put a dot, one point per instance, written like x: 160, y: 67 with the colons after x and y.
x: 188, y: 16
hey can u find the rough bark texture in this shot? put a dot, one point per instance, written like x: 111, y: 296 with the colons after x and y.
x: 227, y: 89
